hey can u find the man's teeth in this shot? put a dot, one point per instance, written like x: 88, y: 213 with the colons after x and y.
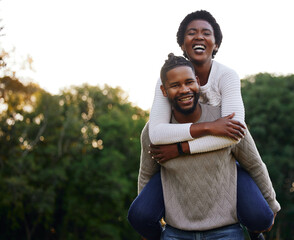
x: 185, y: 99
x: 199, y: 47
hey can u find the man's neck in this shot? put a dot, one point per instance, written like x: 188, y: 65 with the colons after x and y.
x: 188, y: 118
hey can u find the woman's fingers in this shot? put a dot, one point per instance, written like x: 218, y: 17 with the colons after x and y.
x: 237, y: 123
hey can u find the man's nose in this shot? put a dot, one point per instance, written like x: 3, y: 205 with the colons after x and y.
x: 184, y: 89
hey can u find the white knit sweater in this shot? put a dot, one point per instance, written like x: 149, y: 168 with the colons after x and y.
x: 222, y: 89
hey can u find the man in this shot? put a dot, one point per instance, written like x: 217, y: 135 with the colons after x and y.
x: 200, y: 190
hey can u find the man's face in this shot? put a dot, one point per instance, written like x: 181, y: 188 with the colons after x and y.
x: 182, y: 89
x: 199, y: 41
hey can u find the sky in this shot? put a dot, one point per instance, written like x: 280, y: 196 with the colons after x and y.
x: 125, y: 42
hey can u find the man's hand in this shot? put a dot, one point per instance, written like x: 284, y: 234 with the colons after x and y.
x: 163, y: 153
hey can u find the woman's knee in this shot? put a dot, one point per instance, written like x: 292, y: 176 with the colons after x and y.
x: 137, y: 214
x: 253, y: 210
x: 145, y: 222
x: 256, y: 218
x: 261, y: 220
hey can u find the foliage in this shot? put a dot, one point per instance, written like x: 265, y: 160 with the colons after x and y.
x: 68, y: 163
x: 269, y: 107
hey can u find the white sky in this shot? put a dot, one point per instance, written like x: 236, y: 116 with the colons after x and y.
x: 125, y: 42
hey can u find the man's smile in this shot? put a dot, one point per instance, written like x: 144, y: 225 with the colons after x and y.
x: 187, y: 98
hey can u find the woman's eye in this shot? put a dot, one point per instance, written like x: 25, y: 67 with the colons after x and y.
x: 191, y: 33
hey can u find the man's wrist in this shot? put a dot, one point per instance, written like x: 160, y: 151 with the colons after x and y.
x: 185, y: 147
x: 180, y: 149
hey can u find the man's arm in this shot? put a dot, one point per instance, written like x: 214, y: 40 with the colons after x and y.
x: 148, y: 166
x: 248, y: 156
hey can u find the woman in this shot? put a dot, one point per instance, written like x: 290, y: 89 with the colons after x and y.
x: 200, y: 37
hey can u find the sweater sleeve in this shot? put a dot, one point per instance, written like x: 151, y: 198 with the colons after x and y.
x: 210, y: 143
x: 148, y: 166
x: 163, y: 132
x: 248, y: 156
x: 231, y: 98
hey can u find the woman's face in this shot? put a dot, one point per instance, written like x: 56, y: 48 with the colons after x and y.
x: 199, y: 42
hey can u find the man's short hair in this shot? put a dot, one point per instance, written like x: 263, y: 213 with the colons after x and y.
x: 200, y: 15
x: 171, y: 63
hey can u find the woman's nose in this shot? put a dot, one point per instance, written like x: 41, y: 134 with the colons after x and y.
x: 199, y: 36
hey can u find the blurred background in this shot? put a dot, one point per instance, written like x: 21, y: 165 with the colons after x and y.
x: 77, y: 81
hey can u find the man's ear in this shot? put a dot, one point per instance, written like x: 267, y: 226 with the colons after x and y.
x: 163, y: 90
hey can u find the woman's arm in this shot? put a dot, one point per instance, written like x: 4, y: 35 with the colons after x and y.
x: 165, y: 152
x: 231, y: 100
x: 160, y: 129
x: 162, y: 132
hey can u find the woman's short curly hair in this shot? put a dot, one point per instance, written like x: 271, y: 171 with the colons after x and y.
x: 200, y: 15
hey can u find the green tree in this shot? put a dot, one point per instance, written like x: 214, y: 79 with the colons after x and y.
x: 28, y: 175
x: 68, y: 162
x: 103, y: 177
x: 269, y: 108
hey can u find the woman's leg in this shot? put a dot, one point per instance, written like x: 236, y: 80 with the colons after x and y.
x: 147, y: 209
x: 252, y: 209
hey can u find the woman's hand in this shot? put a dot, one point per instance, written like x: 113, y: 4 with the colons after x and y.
x: 163, y: 153
x: 227, y: 127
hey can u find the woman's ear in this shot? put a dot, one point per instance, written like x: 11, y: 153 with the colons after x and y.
x: 163, y: 90
x: 183, y: 48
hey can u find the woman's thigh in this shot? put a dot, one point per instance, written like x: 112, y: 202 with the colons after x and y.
x: 149, y: 204
x: 147, y: 209
x: 253, y: 210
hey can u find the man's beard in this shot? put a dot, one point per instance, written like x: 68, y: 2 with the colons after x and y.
x: 175, y: 105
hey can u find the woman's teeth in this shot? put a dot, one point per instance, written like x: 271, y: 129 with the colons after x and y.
x: 199, y: 47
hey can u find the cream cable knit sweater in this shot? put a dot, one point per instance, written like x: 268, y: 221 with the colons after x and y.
x: 200, y: 190
x: 222, y: 89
